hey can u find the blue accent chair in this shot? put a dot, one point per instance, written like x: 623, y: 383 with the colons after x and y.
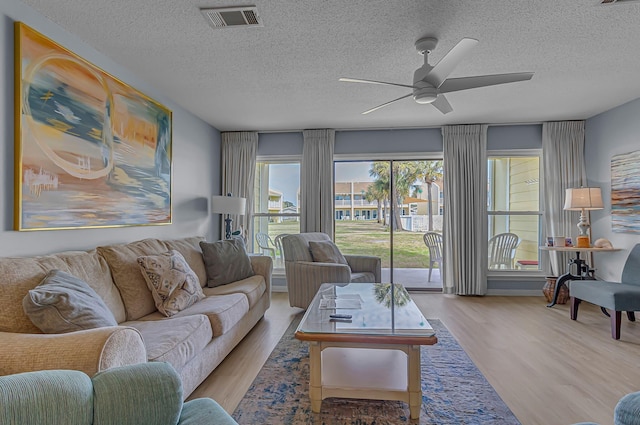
x: 140, y: 394
x: 627, y: 411
x: 612, y: 297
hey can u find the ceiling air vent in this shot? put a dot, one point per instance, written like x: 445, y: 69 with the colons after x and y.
x: 231, y: 17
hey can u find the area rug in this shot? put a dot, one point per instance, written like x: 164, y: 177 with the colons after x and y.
x: 453, y: 391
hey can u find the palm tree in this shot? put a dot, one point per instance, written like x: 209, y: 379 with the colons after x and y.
x: 380, y: 171
x: 429, y: 172
x: 405, y: 175
x: 375, y: 192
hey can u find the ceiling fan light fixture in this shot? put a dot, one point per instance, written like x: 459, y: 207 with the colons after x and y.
x: 430, y: 83
x: 425, y: 95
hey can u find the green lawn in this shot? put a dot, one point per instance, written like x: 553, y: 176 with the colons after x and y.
x: 371, y: 238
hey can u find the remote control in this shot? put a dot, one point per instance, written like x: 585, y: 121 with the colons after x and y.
x: 340, y: 320
x: 340, y: 316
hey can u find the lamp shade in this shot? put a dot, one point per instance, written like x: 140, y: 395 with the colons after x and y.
x: 584, y: 198
x: 228, y: 205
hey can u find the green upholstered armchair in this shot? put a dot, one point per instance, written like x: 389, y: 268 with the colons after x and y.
x: 140, y: 394
x: 304, y: 275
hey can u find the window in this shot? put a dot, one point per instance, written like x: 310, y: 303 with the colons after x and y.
x: 514, y: 213
x: 276, y: 206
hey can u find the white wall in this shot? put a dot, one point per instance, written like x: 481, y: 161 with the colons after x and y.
x: 610, y: 133
x: 196, y: 153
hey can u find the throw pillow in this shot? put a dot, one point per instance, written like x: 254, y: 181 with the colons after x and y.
x: 326, y: 252
x: 63, y: 303
x: 172, y: 283
x: 226, y: 261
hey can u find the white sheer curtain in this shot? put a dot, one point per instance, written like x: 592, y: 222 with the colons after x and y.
x: 465, y: 209
x: 238, y: 173
x: 563, y: 163
x: 316, y: 182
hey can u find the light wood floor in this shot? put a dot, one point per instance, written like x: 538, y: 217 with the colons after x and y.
x: 547, y: 368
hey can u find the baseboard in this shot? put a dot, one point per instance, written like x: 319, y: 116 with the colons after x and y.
x: 516, y: 292
x: 490, y: 292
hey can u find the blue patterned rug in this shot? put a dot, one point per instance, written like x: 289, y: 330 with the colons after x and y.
x: 453, y: 391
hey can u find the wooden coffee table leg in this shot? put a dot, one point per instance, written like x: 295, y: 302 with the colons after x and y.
x: 414, y: 380
x: 315, y: 381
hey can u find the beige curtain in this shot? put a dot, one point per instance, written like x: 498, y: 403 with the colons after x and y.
x: 564, y: 168
x: 316, y: 182
x: 465, y: 209
x: 238, y: 173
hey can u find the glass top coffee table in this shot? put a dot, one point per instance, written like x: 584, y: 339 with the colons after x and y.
x: 374, y: 354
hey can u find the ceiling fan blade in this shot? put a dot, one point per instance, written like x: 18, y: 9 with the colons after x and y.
x: 441, y: 71
x: 385, y: 104
x: 464, y: 83
x: 442, y: 104
x: 382, y: 83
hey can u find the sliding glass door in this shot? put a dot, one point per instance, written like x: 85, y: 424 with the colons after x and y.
x: 392, y: 209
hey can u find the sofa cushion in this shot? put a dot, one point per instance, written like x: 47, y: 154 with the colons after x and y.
x: 226, y: 261
x: 93, y: 269
x: 326, y: 252
x: 223, y: 311
x: 123, y: 262
x: 173, y: 284
x: 176, y: 340
x: 20, y: 274
x: 63, y: 303
x: 253, y: 287
x: 190, y: 249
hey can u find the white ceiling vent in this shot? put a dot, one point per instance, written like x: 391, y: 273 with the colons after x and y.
x: 231, y: 17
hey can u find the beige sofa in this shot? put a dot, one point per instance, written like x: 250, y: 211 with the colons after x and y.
x: 194, y: 341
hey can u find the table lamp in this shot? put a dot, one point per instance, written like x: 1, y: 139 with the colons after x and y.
x: 228, y: 205
x: 583, y: 199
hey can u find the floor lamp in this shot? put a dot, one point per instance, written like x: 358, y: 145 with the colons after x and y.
x: 228, y: 205
x: 583, y: 199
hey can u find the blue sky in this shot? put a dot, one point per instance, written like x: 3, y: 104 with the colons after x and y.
x: 280, y: 176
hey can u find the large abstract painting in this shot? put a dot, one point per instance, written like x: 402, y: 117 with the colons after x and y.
x: 625, y: 192
x: 91, y: 151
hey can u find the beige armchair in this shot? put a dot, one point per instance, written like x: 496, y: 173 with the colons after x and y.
x: 304, y: 275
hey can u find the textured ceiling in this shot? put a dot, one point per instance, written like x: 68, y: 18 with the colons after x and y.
x: 284, y: 75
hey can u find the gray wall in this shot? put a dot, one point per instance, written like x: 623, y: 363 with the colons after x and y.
x: 611, y: 133
x: 399, y: 141
x: 196, y: 153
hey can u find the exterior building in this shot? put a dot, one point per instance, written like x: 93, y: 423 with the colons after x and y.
x: 351, y: 204
x: 275, y: 205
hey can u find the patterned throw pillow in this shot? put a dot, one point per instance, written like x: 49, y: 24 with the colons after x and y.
x: 173, y: 284
x: 326, y: 252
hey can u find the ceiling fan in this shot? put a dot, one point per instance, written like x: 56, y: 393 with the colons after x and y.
x: 430, y: 83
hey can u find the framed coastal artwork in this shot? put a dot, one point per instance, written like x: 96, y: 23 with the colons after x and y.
x: 625, y: 192
x: 90, y: 151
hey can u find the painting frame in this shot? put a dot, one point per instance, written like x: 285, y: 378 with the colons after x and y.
x: 90, y: 150
x: 625, y: 193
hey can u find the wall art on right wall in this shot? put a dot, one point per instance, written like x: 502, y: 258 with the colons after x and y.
x: 625, y: 192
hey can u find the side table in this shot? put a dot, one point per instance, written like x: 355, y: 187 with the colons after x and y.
x: 583, y: 272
